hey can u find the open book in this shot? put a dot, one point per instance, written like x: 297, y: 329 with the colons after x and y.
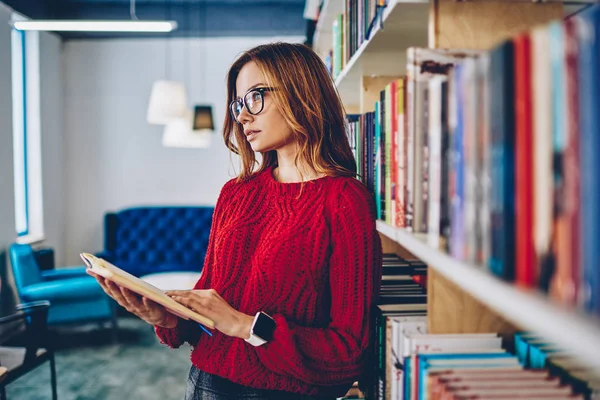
x: 107, y: 270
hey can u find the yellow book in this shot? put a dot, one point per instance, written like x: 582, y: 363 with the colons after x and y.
x: 122, y: 278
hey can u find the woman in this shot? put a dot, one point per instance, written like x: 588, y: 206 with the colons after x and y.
x: 294, y: 260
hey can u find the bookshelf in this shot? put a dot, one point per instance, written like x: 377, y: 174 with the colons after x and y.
x: 527, y: 309
x: 462, y: 297
x: 384, y: 53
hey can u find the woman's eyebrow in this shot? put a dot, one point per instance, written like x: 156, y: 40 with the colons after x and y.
x: 254, y: 86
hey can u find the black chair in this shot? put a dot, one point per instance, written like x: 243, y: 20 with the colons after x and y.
x: 23, y: 352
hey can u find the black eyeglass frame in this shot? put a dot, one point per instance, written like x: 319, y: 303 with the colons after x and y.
x: 242, y: 100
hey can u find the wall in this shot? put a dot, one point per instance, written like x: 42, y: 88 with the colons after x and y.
x: 53, y: 141
x: 114, y: 158
x: 7, y: 205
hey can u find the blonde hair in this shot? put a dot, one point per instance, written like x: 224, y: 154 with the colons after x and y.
x: 308, y: 101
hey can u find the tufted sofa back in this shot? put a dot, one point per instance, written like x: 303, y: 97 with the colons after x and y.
x: 144, y: 240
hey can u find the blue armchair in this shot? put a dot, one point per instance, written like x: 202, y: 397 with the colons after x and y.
x: 146, y: 240
x: 74, y: 296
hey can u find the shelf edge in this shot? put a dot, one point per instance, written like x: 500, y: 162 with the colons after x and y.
x: 567, y: 328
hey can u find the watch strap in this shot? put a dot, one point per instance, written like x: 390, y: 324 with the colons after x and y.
x: 255, y: 340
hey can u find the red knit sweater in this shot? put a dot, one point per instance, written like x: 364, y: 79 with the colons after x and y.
x: 312, y: 262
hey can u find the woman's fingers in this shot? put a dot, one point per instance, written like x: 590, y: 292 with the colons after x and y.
x: 201, y: 301
x: 134, y: 301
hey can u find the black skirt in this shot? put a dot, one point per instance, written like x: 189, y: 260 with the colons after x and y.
x: 203, y: 386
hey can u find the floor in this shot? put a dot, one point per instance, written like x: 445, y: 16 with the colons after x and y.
x: 90, y: 367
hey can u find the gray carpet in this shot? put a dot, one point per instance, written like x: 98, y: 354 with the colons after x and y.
x: 90, y: 367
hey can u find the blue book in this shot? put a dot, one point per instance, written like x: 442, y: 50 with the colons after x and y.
x: 377, y: 152
x: 589, y: 102
x: 502, y: 166
x: 456, y: 219
x: 406, y: 378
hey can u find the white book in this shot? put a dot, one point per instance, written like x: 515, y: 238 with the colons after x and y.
x: 400, y: 327
x: 542, y: 132
x: 435, y: 161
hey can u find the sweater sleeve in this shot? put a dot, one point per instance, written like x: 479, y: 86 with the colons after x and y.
x: 185, y: 331
x: 336, y: 354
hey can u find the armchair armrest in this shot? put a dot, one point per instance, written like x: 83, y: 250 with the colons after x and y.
x: 84, y: 287
x: 27, y: 309
x: 63, y: 273
x: 35, y: 316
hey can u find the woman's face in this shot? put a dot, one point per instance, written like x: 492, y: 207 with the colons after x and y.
x: 266, y: 130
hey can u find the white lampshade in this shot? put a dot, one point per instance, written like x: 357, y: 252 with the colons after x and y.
x: 179, y: 133
x: 168, y: 101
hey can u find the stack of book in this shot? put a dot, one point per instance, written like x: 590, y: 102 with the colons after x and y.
x: 479, y: 366
x: 402, y: 297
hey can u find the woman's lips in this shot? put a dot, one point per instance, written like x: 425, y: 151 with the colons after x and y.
x: 251, y: 135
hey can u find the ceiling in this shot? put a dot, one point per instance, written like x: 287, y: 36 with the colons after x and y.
x: 195, y: 18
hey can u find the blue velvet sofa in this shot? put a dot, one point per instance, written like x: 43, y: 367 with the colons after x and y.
x: 145, y: 240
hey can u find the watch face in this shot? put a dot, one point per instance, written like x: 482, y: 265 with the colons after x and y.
x: 264, y: 327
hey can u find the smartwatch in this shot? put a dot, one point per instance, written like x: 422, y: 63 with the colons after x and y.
x: 262, y: 329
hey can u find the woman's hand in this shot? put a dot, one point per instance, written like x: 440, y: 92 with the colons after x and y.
x: 211, y: 305
x: 148, y: 310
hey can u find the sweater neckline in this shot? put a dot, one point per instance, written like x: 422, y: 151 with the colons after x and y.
x: 293, y: 187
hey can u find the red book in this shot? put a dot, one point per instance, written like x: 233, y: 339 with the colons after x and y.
x: 393, y: 164
x: 525, y: 250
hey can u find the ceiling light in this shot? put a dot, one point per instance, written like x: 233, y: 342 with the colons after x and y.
x: 95, y: 25
x: 168, y: 101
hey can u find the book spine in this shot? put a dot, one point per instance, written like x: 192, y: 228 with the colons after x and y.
x: 560, y: 279
x: 393, y: 191
x: 543, y: 195
x: 382, y: 154
x: 401, y: 155
x: 457, y: 174
x: 525, y: 251
x: 589, y: 99
x: 484, y: 178
x: 424, y: 178
x: 470, y: 158
x: 410, y: 148
x: 445, y: 164
x: 435, y: 146
x: 502, y: 205
x: 377, y: 155
x: 418, y: 149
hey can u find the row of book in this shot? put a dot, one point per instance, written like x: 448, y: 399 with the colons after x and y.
x: 425, y: 366
x: 496, y: 156
x: 349, y: 30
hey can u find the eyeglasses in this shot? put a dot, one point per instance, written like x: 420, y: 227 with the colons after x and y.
x: 253, y: 100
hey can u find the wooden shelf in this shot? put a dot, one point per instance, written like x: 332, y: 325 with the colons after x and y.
x: 405, y: 24
x: 569, y: 329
